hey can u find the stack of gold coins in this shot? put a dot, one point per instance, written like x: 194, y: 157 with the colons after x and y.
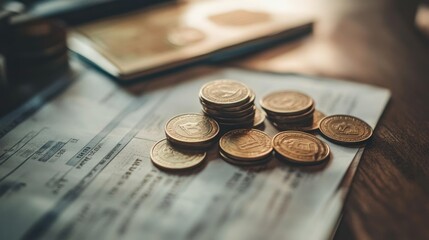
x: 245, y: 147
x: 290, y: 110
x: 229, y: 102
x: 300, y: 147
x: 188, y: 136
x: 191, y: 131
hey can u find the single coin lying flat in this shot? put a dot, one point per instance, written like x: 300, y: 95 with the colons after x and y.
x: 345, y: 129
x: 286, y: 103
x: 246, y: 145
x: 191, y: 130
x: 166, y: 156
x: 300, y: 147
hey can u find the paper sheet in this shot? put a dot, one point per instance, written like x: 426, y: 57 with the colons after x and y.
x: 79, y: 168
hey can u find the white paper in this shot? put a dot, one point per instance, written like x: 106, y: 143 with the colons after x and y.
x: 80, y: 168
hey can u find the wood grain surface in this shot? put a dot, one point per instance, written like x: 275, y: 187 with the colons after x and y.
x: 375, y: 42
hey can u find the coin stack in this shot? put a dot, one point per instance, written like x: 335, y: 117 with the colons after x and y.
x: 290, y: 110
x: 188, y: 136
x: 245, y: 147
x: 37, y: 50
x: 229, y: 102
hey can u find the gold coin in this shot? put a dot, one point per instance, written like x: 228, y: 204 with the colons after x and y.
x: 194, y: 146
x: 291, y: 126
x: 164, y: 155
x: 191, y: 128
x: 245, y: 112
x: 303, y: 126
x: 246, y: 118
x: 300, y: 147
x: 225, y: 92
x: 345, y: 129
x: 246, y: 105
x: 317, y: 117
x: 307, y: 116
x: 259, y: 117
x: 244, y: 163
x: 286, y: 103
x: 246, y: 144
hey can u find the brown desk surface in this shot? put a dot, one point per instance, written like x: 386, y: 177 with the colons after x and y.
x: 370, y: 42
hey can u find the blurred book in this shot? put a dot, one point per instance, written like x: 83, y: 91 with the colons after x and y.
x: 173, y: 35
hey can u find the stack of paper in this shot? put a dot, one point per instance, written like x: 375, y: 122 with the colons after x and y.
x: 79, y: 168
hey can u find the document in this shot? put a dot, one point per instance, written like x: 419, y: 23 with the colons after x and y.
x: 79, y: 167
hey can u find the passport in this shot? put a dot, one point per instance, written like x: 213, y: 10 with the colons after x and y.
x: 153, y: 40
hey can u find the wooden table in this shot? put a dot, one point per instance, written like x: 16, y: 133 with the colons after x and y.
x: 375, y: 42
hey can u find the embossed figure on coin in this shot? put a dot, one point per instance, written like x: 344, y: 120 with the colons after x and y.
x: 194, y: 128
x: 225, y: 91
x: 191, y: 128
x: 248, y: 142
x: 346, y: 128
x: 173, y: 155
x: 164, y: 155
x: 286, y: 102
x: 302, y: 146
